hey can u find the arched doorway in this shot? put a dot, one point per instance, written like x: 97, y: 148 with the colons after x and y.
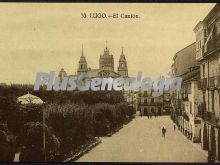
x: 159, y: 110
x: 152, y: 111
x: 213, y: 143
x: 200, y: 134
x: 145, y: 112
x: 218, y: 144
x: 205, y: 138
x: 190, y: 132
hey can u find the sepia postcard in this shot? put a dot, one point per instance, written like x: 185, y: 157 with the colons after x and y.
x: 110, y: 82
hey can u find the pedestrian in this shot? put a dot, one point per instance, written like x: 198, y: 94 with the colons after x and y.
x: 163, y: 132
x: 174, y: 127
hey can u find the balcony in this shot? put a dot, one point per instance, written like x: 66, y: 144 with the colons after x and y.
x: 214, y: 82
x: 185, y: 116
x: 199, y: 84
x: 201, y: 110
x: 144, y: 104
x: 145, y: 94
x: 211, y: 82
x: 210, y: 118
x: 159, y: 104
x: 213, y: 45
x: 177, y: 103
x: 218, y: 80
x: 204, y: 83
x: 151, y: 104
x: 185, y: 97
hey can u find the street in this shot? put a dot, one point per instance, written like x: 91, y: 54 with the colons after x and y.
x: 141, y: 141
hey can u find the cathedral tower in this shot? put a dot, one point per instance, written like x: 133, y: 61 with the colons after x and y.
x: 82, y: 64
x: 106, y: 61
x: 122, y: 68
x: 62, y: 73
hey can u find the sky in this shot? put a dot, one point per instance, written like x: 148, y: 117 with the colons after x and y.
x: 43, y: 37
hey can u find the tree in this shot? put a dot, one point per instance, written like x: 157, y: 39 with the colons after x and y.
x: 7, y: 147
x: 33, y: 143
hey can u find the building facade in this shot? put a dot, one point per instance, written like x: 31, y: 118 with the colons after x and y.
x: 207, y: 34
x: 185, y: 103
x: 150, y: 105
x: 106, y: 69
x: 106, y: 65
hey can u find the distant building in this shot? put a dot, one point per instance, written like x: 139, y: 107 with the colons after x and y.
x: 186, y: 102
x: 184, y: 59
x: 106, y: 66
x: 106, y: 69
x: 150, y: 105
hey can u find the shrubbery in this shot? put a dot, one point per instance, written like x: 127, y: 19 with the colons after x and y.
x: 108, y: 117
x: 7, y: 144
x: 72, y: 123
x: 75, y: 124
x: 72, y: 119
x: 33, y: 143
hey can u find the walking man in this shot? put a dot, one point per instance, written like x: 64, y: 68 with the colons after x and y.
x: 163, y: 132
x: 147, y: 115
x: 174, y: 127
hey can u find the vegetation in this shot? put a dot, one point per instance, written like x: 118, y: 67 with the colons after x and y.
x: 32, y: 143
x: 72, y: 119
x: 7, y: 144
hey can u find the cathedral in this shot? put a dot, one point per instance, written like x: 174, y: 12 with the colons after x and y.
x: 106, y: 66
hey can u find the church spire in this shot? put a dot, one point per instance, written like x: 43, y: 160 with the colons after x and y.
x: 82, y: 64
x: 82, y: 50
x: 122, y: 67
x: 106, y: 50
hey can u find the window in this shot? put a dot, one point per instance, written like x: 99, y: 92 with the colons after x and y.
x: 199, y: 44
x: 188, y: 88
x: 152, y: 100
x: 81, y: 66
x: 214, y: 30
x: 203, y: 70
x: 219, y: 99
x: 190, y: 107
x: 197, y: 121
x: 212, y: 93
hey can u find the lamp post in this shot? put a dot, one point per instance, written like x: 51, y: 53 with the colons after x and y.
x: 44, y: 137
